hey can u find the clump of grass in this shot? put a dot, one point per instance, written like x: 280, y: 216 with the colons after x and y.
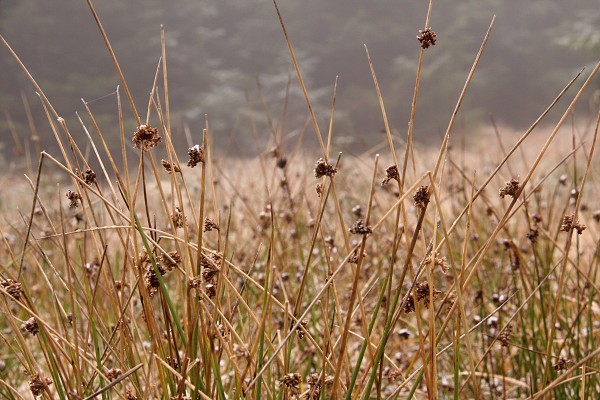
x: 237, y: 279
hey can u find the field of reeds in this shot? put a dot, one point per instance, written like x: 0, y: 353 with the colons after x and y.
x: 406, y: 272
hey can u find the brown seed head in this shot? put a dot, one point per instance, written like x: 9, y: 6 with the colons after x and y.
x: 281, y: 162
x: 30, y: 326
x: 113, y: 373
x: 568, y: 224
x: 422, y: 292
x: 391, y: 173
x: 178, y: 218
x: 314, y: 386
x: 409, y: 306
x: 197, y: 155
x: 511, y: 188
x: 89, y: 176
x: 532, y: 235
x: 151, y: 280
x: 74, y: 198
x: 292, y: 382
x: 561, y: 364
x: 427, y: 37
x: 169, y: 167
x: 359, y: 228
x: 323, y: 168
x: 320, y: 188
x: 504, y: 336
x: 421, y: 197
x: 38, y: 385
x: 146, y: 137
x: 210, y: 224
x: 13, y: 288
x: 169, y: 262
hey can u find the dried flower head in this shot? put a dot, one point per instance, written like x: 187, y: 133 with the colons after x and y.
x: 511, y: 188
x: 427, y: 37
x: 210, y: 290
x: 422, y: 292
x: 323, y: 168
x: 113, y: 373
x: 38, y: 385
x: 391, y: 173
x: 197, y: 155
x: 151, y: 280
x: 210, y: 224
x: 169, y: 260
x: 532, y: 235
x: 314, y: 386
x: 74, y: 198
x: 281, y: 162
x: 504, y: 336
x: 301, y: 329
x: 421, y: 197
x: 354, y: 257
x: 88, y: 176
x: 320, y: 188
x: 13, y: 288
x: 330, y: 241
x: 291, y: 382
x: 92, y: 269
x: 561, y: 364
x: 178, y: 218
x: 169, y: 166
x: 146, y: 137
x: 195, y: 282
x: 30, y: 326
x: 357, y: 211
x: 409, y: 306
x: 568, y: 223
x: 359, y: 228
x: 434, y: 259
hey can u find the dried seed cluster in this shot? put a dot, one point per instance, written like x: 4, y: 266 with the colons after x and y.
x: 13, y: 288
x: 291, y: 382
x: 427, y: 37
x: 568, y: 223
x: 113, y: 373
x: 504, y: 336
x: 74, y: 198
x: 511, y: 188
x: 169, y: 260
x: 88, y: 176
x: 197, y: 155
x: 151, y: 279
x: 146, y: 137
x: 30, y: 326
x: 211, y: 267
x: 391, y: 173
x: 421, y: 197
x: 561, y: 364
x: 323, y: 168
x: 422, y: 293
x: 210, y: 224
x: 169, y: 166
x: 359, y: 228
x: 178, y: 218
x: 315, y: 385
x: 38, y: 385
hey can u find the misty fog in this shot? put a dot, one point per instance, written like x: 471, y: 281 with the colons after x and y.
x: 220, y: 51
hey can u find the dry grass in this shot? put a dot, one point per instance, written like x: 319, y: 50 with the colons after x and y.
x: 423, y: 273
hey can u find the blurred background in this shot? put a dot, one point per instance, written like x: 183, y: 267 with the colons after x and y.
x: 219, y: 50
